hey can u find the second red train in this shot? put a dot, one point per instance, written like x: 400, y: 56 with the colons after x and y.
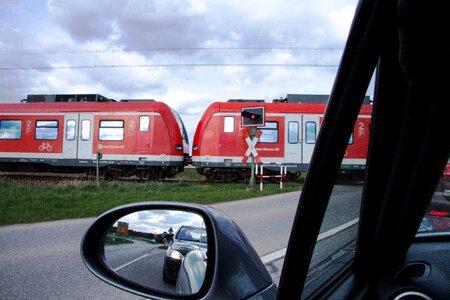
x: 221, y: 147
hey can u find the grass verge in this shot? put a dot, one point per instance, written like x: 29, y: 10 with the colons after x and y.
x: 24, y: 203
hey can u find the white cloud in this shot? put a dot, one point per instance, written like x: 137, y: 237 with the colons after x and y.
x: 339, y: 21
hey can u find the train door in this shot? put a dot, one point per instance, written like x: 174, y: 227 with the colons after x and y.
x: 309, y: 132
x: 144, y: 134
x: 85, y: 136
x: 293, y: 139
x: 228, y: 136
x: 70, y: 144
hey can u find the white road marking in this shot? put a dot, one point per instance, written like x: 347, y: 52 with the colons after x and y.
x: 273, y: 256
x: 336, y: 230
x: 136, y: 260
x: 282, y: 252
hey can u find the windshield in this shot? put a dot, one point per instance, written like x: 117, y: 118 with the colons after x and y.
x: 336, y: 244
x: 192, y: 234
x: 182, y: 128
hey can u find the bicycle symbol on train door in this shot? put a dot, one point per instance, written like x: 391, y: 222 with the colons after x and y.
x: 45, y: 147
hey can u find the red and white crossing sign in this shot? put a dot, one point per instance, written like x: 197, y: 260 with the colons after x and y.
x: 251, y: 150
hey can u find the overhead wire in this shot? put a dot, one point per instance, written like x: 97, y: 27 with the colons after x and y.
x: 170, y: 65
x: 156, y: 49
x: 166, y: 65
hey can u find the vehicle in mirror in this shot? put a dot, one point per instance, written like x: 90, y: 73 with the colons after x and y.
x: 152, y: 248
x: 171, y: 250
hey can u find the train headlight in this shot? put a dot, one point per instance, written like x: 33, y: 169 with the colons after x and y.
x: 178, y: 147
x: 195, y: 147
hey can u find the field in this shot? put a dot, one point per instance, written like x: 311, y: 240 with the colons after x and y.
x: 22, y: 202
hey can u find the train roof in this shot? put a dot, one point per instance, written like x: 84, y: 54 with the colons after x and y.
x: 66, y: 98
x: 276, y: 107
x: 83, y: 107
x: 299, y: 98
x: 314, y: 98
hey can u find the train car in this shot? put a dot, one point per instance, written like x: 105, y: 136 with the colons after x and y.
x: 145, y: 138
x: 221, y: 147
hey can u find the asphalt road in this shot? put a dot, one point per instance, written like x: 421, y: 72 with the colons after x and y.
x: 42, y: 261
x: 119, y: 255
x: 144, y: 267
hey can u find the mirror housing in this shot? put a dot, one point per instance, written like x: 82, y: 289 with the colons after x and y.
x: 234, y: 269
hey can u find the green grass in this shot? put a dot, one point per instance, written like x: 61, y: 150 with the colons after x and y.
x: 115, y: 240
x: 24, y: 203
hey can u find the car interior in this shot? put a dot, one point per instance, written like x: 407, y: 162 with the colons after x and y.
x: 407, y: 153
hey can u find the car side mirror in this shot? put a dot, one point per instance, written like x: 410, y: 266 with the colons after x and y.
x: 174, y: 250
x: 153, y: 248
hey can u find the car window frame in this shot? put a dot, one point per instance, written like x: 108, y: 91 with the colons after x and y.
x: 360, y: 58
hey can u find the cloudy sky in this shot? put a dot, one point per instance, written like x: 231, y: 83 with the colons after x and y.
x: 159, y: 221
x: 184, y: 53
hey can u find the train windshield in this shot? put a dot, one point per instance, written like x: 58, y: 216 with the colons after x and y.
x: 182, y: 128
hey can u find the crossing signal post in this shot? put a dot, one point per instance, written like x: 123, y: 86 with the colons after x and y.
x: 97, y: 168
x: 252, y: 181
x: 98, y: 156
x: 252, y: 117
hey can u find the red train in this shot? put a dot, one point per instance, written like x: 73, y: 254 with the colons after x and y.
x: 145, y: 138
x: 288, y: 136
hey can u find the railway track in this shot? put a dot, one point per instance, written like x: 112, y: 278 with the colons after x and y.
x: 68, y: 178
x: 77, y: 178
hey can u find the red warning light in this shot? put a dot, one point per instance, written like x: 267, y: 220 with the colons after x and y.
x: 252, y: 116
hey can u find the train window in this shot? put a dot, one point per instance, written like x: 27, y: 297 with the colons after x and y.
x: 111, y: 130
x: 228, y: 124
x: 144, y: 123
x: 293, y: 130
x: 269, y: 133
x: 46, y: 130
x: 310, y: 132
x: 10, y: 130
x: 70, y: 130
x: 85, y: 130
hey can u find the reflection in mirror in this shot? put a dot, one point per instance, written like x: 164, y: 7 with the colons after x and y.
x: 163, y: 250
